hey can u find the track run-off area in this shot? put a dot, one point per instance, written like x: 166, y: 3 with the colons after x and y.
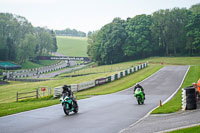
x: 99, y: 114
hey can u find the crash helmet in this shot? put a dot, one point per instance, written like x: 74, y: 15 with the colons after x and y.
x: 65, y: 87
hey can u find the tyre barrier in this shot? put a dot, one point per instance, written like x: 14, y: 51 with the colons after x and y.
x: 189, y: 98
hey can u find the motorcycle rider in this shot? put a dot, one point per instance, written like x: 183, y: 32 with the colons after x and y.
x: 139, y: 86
x: 67, y: 92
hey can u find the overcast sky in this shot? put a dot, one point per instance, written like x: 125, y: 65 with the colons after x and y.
x: 85, y: 15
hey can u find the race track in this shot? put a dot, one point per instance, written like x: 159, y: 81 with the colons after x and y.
x: 100, y: 114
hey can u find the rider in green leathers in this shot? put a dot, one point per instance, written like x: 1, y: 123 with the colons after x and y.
x: 139, y: 86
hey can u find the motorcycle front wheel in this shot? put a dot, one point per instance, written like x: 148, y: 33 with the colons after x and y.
x: 139, y: 100
x: 76, y: 108
x: 66, y: 111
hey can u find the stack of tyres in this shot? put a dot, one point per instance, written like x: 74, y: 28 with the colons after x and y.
x: 190, y: 98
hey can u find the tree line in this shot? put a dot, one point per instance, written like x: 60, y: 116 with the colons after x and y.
x: 69, y: 32
x: 19, y: 40
x: 170, y: 32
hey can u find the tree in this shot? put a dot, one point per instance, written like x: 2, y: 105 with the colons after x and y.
x: 193, y: 34
x: 195, y: 8
x: 138, y: 43
x: 55, y: 47
x: 106, y: 45
x: 27, y: 48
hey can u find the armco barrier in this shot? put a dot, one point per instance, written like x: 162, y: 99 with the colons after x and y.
x: 100, y: 81
x: 74, y: 87
x: 131, y: 70
x: 58, y: 91
x: 112, y: 78
x: 108, y: 79
x: 86, y: 85
x: 116, y: 77
x: 121, y: 74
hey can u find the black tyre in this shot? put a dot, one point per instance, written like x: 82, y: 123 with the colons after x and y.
x: 66, y: 111
x: 76, y: 108
x: 191, y: 95
x: 191, y: 101
x: 139, y: 99
x: 190, y: 90
x: 191, y: 106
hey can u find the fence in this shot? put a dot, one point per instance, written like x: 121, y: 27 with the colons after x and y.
x: 40, y: 92
x: 27, y: 95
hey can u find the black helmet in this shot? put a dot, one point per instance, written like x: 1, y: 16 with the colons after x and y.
x: 65, y: 87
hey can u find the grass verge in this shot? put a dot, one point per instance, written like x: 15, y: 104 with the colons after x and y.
x: 195, y: 129
x: 175, y: 103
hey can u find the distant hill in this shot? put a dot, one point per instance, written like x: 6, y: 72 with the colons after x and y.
x: 72, y: 46
x: 70, y: 32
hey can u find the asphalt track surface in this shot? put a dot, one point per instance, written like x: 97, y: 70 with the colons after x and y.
x: 99, y: 114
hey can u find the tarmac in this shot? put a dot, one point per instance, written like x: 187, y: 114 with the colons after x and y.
x: 162, y: 123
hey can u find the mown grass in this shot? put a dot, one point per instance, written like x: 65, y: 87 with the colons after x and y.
x: 25, y: 105
x: 174, y: 60
x: 72, y: 46
x: 8, y: 91
x: 175, y: 103
x: 195, y: 129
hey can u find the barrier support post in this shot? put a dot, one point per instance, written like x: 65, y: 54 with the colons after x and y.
x: 17, y: 97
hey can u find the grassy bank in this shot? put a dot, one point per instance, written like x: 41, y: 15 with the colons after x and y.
x: 175, y: 103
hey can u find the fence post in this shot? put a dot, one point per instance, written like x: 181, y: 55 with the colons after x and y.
x: 37, y: 94
x: 17, y: 97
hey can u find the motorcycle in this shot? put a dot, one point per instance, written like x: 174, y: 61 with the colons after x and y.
x: 68, y: 105
x: 139, y: 96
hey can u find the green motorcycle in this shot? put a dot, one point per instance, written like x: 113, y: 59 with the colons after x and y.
x: 139, y: 96
x: 68, y: 105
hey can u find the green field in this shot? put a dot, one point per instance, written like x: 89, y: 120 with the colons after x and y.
x: 72, y: 46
